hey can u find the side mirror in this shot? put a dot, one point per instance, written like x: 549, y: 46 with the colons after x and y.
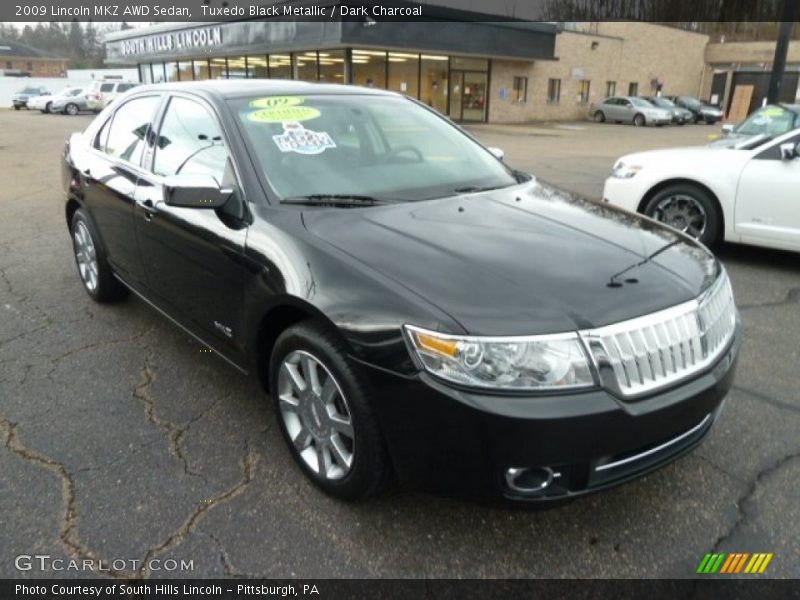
x: 497, y: 152
x: 195, y: 191
x: 790, y: 151
x: 727, y: 129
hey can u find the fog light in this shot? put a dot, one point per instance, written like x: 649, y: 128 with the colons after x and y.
x: 529, y: 480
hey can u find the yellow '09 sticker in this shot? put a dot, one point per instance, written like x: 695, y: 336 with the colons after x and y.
x: 284, y: 114
x: 276, y: 101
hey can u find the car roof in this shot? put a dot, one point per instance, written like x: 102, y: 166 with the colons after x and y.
x: 227, y: 88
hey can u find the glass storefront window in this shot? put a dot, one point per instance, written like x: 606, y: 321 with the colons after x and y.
x: 280, y: 66
x: 159, y: 73
x: 171, y: 69
x: 145, y: 76
x: 331, y: 66
x: 305, y: 66
x: 185, y: 72
x: 201, y: 71
x: 257, y: 67
x: 369, y: 68
x: 404, y: 73
x: 219, y: 68
x: 470, y: 64
x: 237, y: 67
x: 434, y: 84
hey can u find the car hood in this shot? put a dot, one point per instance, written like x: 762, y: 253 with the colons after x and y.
x: 689, y: 156
x: 523, y: 260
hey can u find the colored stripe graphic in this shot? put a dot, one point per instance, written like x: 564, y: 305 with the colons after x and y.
x: 734, y: 563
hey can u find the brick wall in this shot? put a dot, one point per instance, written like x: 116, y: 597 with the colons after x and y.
x: 37, y: 67
x: 621, y: 52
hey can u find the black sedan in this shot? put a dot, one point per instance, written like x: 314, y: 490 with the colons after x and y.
x: 416, y: 310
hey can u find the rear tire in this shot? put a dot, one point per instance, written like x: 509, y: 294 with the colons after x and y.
x: 93, y: 268
x: 685, y: 194
x: 337, y: 414
x: 639, y: 120
x: 71, y: 109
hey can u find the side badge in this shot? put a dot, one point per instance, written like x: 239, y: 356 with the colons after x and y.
x: 224, y: 329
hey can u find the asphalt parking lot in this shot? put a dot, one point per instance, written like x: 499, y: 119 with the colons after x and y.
x: 121, y: 440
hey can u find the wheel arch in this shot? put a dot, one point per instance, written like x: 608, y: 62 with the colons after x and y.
x: 684, y: 181
x: 282, y: 314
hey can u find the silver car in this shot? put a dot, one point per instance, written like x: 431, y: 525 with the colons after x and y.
x: 70, y: 105
x: 629, y: 109
x: 681, y: 116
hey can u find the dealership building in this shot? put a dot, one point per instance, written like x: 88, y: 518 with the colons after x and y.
x: 469, y: 68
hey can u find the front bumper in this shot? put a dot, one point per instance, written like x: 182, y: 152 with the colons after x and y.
x: 20, y: 103
x: 463, y: 442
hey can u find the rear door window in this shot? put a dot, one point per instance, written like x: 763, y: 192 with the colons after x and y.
x: 107, y: 87
x: 129, y: 128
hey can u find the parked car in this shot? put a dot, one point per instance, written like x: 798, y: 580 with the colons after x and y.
x: 45, y: 103
x: 71, y: 105
x: 103, y: 93
x: 680, y: 116
x: 738, y: 190
x: 20, y: 99
x: 629, y: 109
x: 700, y: 110
x: 415, y: 308
x: 771, y: 120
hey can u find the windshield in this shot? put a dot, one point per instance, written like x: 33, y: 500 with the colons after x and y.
x: 662, y: 102
x: 30, y: 90
x: 693, y: 102
x: 770, y: 121
x: 362, y: 145
x: 641, y: 102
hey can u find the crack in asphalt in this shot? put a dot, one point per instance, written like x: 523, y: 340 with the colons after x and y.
x: 766, y: 398
x: 174, y: 432
x: 68, y: 533
x: 248, y: 464
x: 792, y: 297
x: 225, y: 560
x: 745, y: 498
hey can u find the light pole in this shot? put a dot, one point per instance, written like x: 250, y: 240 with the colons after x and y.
x: 781, y: 49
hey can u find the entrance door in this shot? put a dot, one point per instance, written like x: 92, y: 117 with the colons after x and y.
x: 468, y: 93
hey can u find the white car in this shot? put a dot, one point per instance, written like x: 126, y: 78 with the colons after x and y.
x: 102, y: 93
x: 45, y: 103
x: 745, y: 188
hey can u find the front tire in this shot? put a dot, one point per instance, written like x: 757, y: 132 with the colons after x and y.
x: 639, y: 120
x: 687, y: 208
x: 93, y: 268
x: 322, y: 405
x: 599, y: 117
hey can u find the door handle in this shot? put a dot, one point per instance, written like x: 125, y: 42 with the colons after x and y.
x: 149, y: 208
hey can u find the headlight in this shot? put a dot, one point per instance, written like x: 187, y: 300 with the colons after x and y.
x: 510, y: 363
x: 623, y: 171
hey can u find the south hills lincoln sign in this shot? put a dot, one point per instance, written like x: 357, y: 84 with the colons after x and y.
x: 201, y: 39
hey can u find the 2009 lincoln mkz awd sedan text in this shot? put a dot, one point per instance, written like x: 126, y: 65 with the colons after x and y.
x: 417, y: 310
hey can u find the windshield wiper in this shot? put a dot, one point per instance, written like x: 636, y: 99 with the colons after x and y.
x: 476, y: 188
x: 334, y: 200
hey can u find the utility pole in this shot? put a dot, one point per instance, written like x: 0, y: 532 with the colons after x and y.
x: 781, y: 49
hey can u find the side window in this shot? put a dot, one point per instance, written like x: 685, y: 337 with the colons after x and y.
x: 124, y: 87
x: 128, y: 129
x: 189, y: 142
x: 107, y: 87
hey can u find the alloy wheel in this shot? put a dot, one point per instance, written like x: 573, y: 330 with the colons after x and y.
x: 684, y: 213
x: 72, y: 109
x: 86, y: 256
x: 316, y: 415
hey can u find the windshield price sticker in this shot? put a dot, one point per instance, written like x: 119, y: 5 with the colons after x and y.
x: 284, y: 114
x: 296, y: 138
x: 277, y: 101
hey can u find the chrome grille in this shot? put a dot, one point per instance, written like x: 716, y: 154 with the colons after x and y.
x: 653, y: 351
